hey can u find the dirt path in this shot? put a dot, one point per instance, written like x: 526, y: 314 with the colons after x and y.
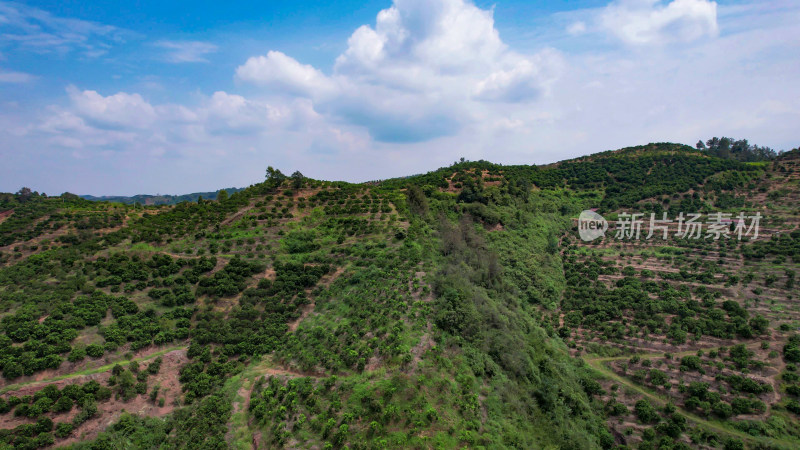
x: 599, y: 364
x: 238, y: 214
x: 94, y: 370
x: 5, y: 214
x: 426, y: 343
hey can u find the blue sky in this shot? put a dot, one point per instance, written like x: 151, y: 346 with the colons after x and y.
x: 173, y: 97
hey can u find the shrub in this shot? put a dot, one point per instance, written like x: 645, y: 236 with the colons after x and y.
x: 645, y: 411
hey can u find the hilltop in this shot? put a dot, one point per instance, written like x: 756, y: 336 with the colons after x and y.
x: 452, y: 309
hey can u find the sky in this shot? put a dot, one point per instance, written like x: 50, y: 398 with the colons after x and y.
x: 123, y: 98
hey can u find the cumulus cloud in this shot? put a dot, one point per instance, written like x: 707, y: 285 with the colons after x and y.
x: 233, y: 113
x: 128, y: 123
x: 187, y: 51
x: 220, y: 113
x: 280, y: 71
x: 643, y: 22
x: 423, y: 71
x: 445, y: 36
x: 223, y: 138
x: 524, y: 80
x: 415, y: 91
x: 69, y: 130
x: 118, y: 110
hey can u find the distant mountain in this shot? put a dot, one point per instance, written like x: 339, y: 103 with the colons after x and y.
x: 146, y: 199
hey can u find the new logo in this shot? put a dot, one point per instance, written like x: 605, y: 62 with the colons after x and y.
x: 591, y: 225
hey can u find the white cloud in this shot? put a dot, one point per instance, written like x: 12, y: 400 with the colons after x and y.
x: 127, y: 123
x: 187, y: 51
x: 118, y: 110
x: 15, y: 77
x: 576, y: 28
x: 445, y: 36
x: 65, y: 128
x: 524, y: 81
x: 643, y: 22
x: 278, y: 70
x: 228, y: 112
x: 423, y: 71
x: 36, y: 30
x: 390, y: 106
x: 223, y: 140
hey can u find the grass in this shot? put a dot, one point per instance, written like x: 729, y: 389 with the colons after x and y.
x: 238, y: 233
x: 100, y: 369
x: 239, y: 431
x: 144, y: 247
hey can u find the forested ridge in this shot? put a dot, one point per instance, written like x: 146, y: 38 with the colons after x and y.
x: 452, y: 309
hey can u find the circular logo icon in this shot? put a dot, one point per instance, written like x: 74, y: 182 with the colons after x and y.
x: 591, y: 225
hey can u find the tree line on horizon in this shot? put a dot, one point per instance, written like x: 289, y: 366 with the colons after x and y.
x: 738, y: 149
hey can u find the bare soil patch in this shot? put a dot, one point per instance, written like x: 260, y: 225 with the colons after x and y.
x: 110, y: 410
x: 5, y: 214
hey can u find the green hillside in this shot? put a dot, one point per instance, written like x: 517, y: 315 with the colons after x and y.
x: 453, y: 309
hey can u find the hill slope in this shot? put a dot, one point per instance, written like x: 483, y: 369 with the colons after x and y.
x: 451, y: 309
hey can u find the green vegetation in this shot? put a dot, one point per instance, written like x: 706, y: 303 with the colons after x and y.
x: 740, y: 149
x: 454, y: 309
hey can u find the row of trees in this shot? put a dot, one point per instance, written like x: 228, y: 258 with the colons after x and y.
x: 275, y: 178
x: 738, y: 149
x: 630, y: 305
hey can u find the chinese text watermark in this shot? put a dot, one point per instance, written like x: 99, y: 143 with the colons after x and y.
x: 717, y: 225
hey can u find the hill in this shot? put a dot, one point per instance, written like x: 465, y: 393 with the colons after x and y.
x: 453, y: 309
x: 144, y: 199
